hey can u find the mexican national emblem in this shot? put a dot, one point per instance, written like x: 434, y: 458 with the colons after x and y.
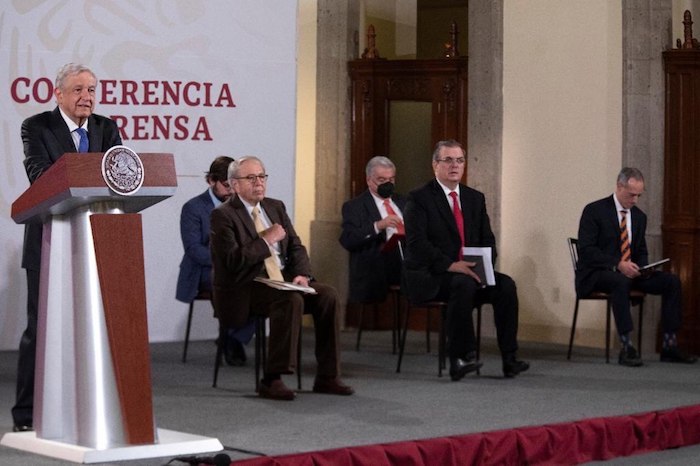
x: 122, y: 170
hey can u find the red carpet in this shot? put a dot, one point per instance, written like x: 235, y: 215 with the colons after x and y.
x: 566, y: 443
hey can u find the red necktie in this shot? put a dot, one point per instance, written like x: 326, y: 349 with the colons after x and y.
x: 399, y: 228
x: 459, y: 220
x: 624, y: 237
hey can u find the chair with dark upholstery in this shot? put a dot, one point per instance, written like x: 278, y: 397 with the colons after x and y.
x: 260, y: 352
x: 203, y: 295
x: 441, y: 307
x: 395, y: 292
x: 636, y: 299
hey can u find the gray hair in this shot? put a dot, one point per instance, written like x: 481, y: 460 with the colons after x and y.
x: 627, y: 173
x: 71, y: 69
x: 378, y: 161
x: 235, y: 167
x: 446, y: 143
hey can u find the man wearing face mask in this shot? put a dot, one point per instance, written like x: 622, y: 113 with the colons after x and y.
x: 369, y: 221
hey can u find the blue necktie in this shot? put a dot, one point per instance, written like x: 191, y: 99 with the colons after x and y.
x: 83, y: 145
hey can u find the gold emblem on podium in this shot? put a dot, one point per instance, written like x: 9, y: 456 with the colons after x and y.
x: 122, y: 170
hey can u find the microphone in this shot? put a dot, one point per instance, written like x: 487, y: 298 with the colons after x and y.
x: 221, y: 459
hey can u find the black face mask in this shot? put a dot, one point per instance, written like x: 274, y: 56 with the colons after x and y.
x: 385, y: 190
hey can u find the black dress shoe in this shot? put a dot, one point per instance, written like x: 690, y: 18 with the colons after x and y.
x: 22, y: 428
x: 513, y: 367
x: 461, y: 367
x: 674, y: 354
x: 629, y: 357
x: 235, y: 353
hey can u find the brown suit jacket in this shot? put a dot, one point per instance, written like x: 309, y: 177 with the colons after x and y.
x: 238, y: 253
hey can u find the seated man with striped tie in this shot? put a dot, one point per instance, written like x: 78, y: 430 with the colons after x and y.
x: 252, y: 236
x: 612, y: 248
x: 369, y: 221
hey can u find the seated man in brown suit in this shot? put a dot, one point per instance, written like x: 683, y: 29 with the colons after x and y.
x: 252, y: 236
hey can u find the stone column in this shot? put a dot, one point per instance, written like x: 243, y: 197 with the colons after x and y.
x: 338, y: 22
x: 646, y: 33
x: 485, y: 111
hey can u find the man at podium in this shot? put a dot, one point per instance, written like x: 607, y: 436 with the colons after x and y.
x: 70, y: 127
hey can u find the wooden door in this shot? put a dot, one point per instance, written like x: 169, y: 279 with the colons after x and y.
x: 681, y: 215
x: 380, y: 88
x: 401, y: 109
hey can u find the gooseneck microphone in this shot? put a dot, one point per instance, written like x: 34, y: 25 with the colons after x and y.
x: 221, y: 459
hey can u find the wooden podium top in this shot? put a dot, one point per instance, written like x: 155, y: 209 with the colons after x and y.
x: 75, y: 180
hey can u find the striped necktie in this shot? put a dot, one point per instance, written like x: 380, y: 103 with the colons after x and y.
x: 271, y: 266
x: 624, y: 237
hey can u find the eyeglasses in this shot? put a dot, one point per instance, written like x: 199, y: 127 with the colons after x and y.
x: 252, y: 178
x: 450, y: 160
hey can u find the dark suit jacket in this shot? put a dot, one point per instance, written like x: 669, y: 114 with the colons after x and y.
x: 599, y: 242
x: 46, y: 138
x: 371, y: 271
x: 195, y: 268
x: 238, y: 252
x: 432, y: 238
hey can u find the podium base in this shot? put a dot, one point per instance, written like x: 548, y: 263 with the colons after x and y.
x: 170, y: 443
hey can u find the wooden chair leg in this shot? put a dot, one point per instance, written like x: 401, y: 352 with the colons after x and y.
x: 478, y: 337
x: 639, y: 325
x: 187, y: 332
x: 359, y: 327
x: 260, y: 350
x: 220, y: 343
x: 441, y: 344
x: 396, y: 321
x: 573, y: 330
x: 428, y: 314
x: 299, y: 359
x: 402, y: 339
x: 607, y: 331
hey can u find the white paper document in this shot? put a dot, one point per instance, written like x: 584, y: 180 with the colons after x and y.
x: 484, y: 265
x: 286, y: 286
x: 654, y: 264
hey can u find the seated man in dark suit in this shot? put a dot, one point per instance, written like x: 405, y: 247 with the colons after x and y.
x: 252, y: 236
x: 369, y: 220
x: 441, y: 218
x: 612, y: 248
x: 195, y: 268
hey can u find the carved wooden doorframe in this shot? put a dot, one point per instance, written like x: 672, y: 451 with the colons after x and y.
x: 377, y: 82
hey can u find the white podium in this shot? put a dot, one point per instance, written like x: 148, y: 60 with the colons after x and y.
x: 92, y: 392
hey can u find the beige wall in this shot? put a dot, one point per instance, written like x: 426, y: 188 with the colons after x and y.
x: 562, y: 139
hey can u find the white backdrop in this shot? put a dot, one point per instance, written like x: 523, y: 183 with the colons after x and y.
x: 235, y: 67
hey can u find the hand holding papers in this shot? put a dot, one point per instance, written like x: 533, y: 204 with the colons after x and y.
x: 484, y: 265
x: 285, y: 286
x: 392, y: 242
